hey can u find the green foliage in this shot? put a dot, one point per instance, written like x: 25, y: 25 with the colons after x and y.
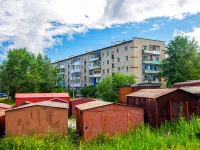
x: 7, y: 101
x: 182, y: 62
x: 25, y: 72
x: 88, y: 91
x: 171, y: 135
x: 107, y: 89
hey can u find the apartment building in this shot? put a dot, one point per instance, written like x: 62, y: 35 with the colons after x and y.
x: 138, y: 56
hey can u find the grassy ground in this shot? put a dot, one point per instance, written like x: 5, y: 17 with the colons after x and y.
x: 180, y: 135
x: 7, y: 101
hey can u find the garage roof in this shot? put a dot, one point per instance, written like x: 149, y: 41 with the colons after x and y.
x: 5, y: 106
x: 151, y: 93
x: 44, y: 103
x: 192, y: 89
x: 93, y: 104
x: 32, y: 95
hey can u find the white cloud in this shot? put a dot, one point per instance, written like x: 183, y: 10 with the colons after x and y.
x: 35, y: 24
x: 124, y: 32
x: 155, y: 27
x: 194, y: 34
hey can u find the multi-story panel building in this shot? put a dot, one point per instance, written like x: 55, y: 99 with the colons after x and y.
x: 138, y: 56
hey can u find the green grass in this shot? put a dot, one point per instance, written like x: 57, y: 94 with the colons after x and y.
x: 180, y: 135
x: 7, y: 101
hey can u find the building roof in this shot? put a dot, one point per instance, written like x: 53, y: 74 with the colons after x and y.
x: 192, y: 89
x: 151, y: 93
x: 34, y: 95
x: 44, y: 103
x: 93, y: 104
x: 188, y: 82
x: 5, y: 106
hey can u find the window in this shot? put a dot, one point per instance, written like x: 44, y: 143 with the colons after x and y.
x: 117, y: 50
x: 84, y: 70
x: 107, y: 62
x: 112, y: 56
x: 118, y: 69
x: 118, y: 59
x: 107, y: 53
x: 103, y: 62
x: 103, y: 71
x: 102, y: 54
x: 84, y: 62
x: 107, y: 70
x: 126, y: 68
x: 112, y: 65
x: 126, y: 58
x: 126, y: 48
x: 144, y: 48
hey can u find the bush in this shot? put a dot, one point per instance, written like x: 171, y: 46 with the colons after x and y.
x: 88, y: 91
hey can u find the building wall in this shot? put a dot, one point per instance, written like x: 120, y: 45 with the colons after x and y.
x: 36, y: 119
x: 130, y: 53
x: 138, y: 44
x: 110, y: 119
x: 119, y: 53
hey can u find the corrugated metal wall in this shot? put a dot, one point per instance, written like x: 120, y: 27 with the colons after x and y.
x: 36, y: 119
x: 111, y: 119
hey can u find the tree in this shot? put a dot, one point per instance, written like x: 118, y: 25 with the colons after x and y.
x: 182, y: 62
x: 88, y: 91
x: 24, y: 72
x: 107, y: 88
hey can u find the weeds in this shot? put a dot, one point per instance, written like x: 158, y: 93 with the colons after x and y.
x: 179, y: 134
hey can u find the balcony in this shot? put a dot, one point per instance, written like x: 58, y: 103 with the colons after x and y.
x: 62, y: 66
x: 75, y: 70
x: 76, y: 85
x: 94, y: 59
x: 151, y: 81
x: 155, y: 62
x: 73, y: 78
x: 94, y: 67
x: 95, y: 75
x: 151, y: 52
x: 150, y: 71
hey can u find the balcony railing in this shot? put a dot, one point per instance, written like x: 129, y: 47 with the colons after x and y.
x: 94, y: 67
x: 152, y: 52
x: 75, y: 70
x: 94, y: 59
x: 151, y: 71
x: 95, y: 75
x: 151, y: 81
x: 156, y: 62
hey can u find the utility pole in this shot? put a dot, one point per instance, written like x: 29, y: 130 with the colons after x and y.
x: 73, y: 84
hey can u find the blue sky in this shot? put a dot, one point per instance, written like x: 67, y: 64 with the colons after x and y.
x: 61, y: 28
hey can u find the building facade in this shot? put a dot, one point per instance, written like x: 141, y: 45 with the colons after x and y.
x: 138, y: 56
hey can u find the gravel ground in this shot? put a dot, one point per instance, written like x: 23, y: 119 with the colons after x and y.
x: 72, y: 123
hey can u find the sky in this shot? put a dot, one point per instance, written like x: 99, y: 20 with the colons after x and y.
x: 60, y: 28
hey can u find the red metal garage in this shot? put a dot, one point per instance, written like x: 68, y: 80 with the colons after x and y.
x: 164, y: 104
x: 187, y: 83
x: 2, y: 123
x: 37, y: 118
x: 98, y: 117
x: 75, y: 102
x: 125, y: 90
x: 38, y: 97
